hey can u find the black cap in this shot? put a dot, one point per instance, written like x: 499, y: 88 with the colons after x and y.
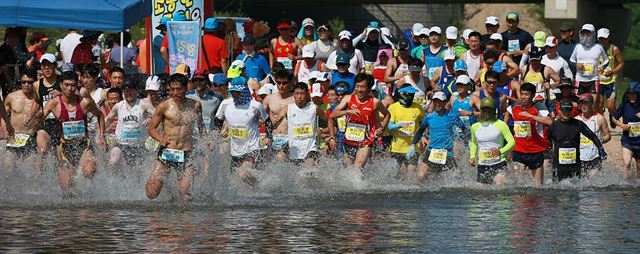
x: 131, y: 85
x: 403, y: 44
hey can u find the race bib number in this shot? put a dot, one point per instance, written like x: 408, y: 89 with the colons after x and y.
x: 151, y: 144
x: 368, y: 68
x: 567, y: 156
x: 18, y: 140
x: 288, y: 64
x: 584, y: 141
x: 355, y: 132
x: 73, y: 129
x: 634, y: 129
x: 238, y: 133
x: 131, y: 135
x: 342, y: 124
x: 588, y: 69
x: 172, y: 155
x: 408, y: 128
x: 302, y: 131
x: 513, y: 45
x: 486, y: 156
x: 438, y: 156
x: 522, y: 129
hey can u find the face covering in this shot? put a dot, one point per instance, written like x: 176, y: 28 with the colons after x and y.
x: 405, y: 99
x: 588, y: 41
x: 244, y: 98
x: 487, y: 115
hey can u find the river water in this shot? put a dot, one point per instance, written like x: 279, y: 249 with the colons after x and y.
x: 335, y: 211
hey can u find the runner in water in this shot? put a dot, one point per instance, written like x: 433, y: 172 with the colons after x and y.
x: 47, y: 88
x: 608, y: 74
x: 337, y: 126
x: 75, y: 148
x: 460, y: 105
x: 565, y: 135
x: 22, y: 145
x: 274, y: 104
x: 177, y: 116
x: 129, y: 135
x: 487, y: 146
x: 630, y: 125
x: 362, y: 123
x: 589, y: 156
x: 405, y: 116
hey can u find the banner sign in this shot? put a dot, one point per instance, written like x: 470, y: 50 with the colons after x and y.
x: 192, y: 9
x: 184, y: 39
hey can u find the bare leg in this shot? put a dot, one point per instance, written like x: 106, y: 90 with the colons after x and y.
x: 627, y: 156
x: 88, y: 164
x: 500, y: 179
x: 423, y: 172
x: 43, y: 140
x: 281, y: 156
x: 185, y: 179
x: 310, y: 162
x: 115, y: 154
x: 156, y: 180
x: 538, y: 176
x: 362, y: 156
x: 9, y: 161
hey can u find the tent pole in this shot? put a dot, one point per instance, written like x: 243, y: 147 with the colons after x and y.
x: 149, y: 42
x: 121, y: 50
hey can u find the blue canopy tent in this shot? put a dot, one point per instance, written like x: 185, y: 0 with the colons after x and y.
x: 109, y: 15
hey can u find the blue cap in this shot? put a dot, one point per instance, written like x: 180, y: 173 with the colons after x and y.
x: 219, y: 79
x: 407, y: 89
x: 163, y: 22
x: 238, y: 84
x: 211, y: 24
x: 634, y: 86
x: 374, y: 24
x: 499, y: 66
x: 460, y: 65
x: 342, y: 88
x: 249, y: 40
x: 342, y: 59
x: 179, y: 16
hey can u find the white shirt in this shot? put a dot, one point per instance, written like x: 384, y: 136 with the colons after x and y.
x: 130, y: 122
x: 68, y: 44
x: 243, y: 125
x: 589, y: 57
x: 302, y: 130
x: 356, y: 62
x: 558, y: 64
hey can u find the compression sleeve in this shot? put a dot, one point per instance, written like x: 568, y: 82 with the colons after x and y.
x: 506, y: 134
x: 589, y: 134
x: 473, y: 144
x: 423, y: 126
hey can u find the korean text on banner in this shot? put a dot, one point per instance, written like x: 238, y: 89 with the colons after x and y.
x: 184, y: 38
x: 192, y: 9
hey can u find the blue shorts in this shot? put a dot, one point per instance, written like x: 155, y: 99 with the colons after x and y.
x: 607, y: 90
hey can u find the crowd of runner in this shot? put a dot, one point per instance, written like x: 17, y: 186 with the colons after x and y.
x: 300, y: 97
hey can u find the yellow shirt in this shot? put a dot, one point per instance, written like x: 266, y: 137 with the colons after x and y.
x: 403, y: 137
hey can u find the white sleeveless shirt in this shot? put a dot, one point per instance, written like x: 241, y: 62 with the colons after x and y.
x: 130, y: 118
x: 302, y: 130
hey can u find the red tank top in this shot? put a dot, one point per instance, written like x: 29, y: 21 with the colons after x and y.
x: 356, y: 123
x: 529, y: 137
x: 76, y: 115
x: 379, y: 72
x: 282, y: 52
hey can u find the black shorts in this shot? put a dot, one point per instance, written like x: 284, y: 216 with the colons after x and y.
x: 132, y: 155
x: 487, y: 173
x: 401, y: 159
x: 252, y: 157
x: 530, y: 160
x: 179, y: 167
x: 54, y: 131
x: 29, y: 148
x: 310, y: 155
x: 607, y: 90
x: 583, y: 87
x: 561, y: 172
x: 386, y: 143
x: 634, y: 149
x: 71, y: 150
x: 590, y: 165
x: 450, y: 164
x: 352, y: 151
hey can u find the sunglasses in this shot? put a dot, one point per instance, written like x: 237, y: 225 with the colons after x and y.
x: 24, y: 82
x: 341, y: 64
x: 491, y: 81
x: 282, y: 82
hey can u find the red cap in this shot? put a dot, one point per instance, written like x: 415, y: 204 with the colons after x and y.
x: 283, y: 25
x: 586, y: 97
x: 200, y: 73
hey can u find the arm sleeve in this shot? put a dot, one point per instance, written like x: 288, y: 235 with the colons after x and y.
x: 574, y: 58
x: 605, y: 58
x: 473, y: 143
x: 423, y: 126
x: 589, y: 134
x: 504, y: 129
x: 567, y: 70
x: 358, y: 39
x: 524, y: 60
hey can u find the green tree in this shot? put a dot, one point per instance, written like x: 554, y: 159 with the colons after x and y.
x: 632, y: 47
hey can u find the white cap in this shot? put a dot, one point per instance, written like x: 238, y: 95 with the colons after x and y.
x: 449, y: 55
x: 152, y: 83
x: 551, y: 41
x: 416, y: 28
x: 466, y: 32
x: 385, y: 31
x: 264, y: 90
x: 603, y: 33
x: 308, y: 22
x: 320, y: 76
x: 344, y: 35
x: 463, y: 79
x: 308, y: 51
x: 49, y: 57
x: 452, y: 33
x: 238, y: 63
x: 588, y: 27
x: 492, y: 20
x: 439, y: 96
x: 496, y: 36
x: 423, y: 31
x: 435, y: 29
x: 316, y: 90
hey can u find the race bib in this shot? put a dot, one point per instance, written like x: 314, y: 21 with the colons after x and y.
x: 131, y: 135
x: 238, y: 132
x: 432, y: 72
x: 73, y: 129
x: 408, y: 130
x: 263, y: 142
x: 302, y: 131
x: 368, y: 68
x: 151, y: 144
x: 584, y: 141
x: 355, y: 132
x: 522, y: 129
x: 567, y: 156
x: 604, y: 78
x: 110, y: 139
x: 588, y: 69
x: 342, y: 124
x: 18, y: 140
x: 634, y: 129
x: 513, y: 45
x: 486, y: 156
x: 172, y: 155
x: 438, y: 156
x: 288, y: 64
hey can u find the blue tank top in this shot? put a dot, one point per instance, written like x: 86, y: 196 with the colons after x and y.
x: 447, y: 81
x: 433, y: 60
x: 441, y: 130
x: 463, y: 105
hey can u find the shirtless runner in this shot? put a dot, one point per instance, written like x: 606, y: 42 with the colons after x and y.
x: 273, y: 104
x: 177, y: 115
